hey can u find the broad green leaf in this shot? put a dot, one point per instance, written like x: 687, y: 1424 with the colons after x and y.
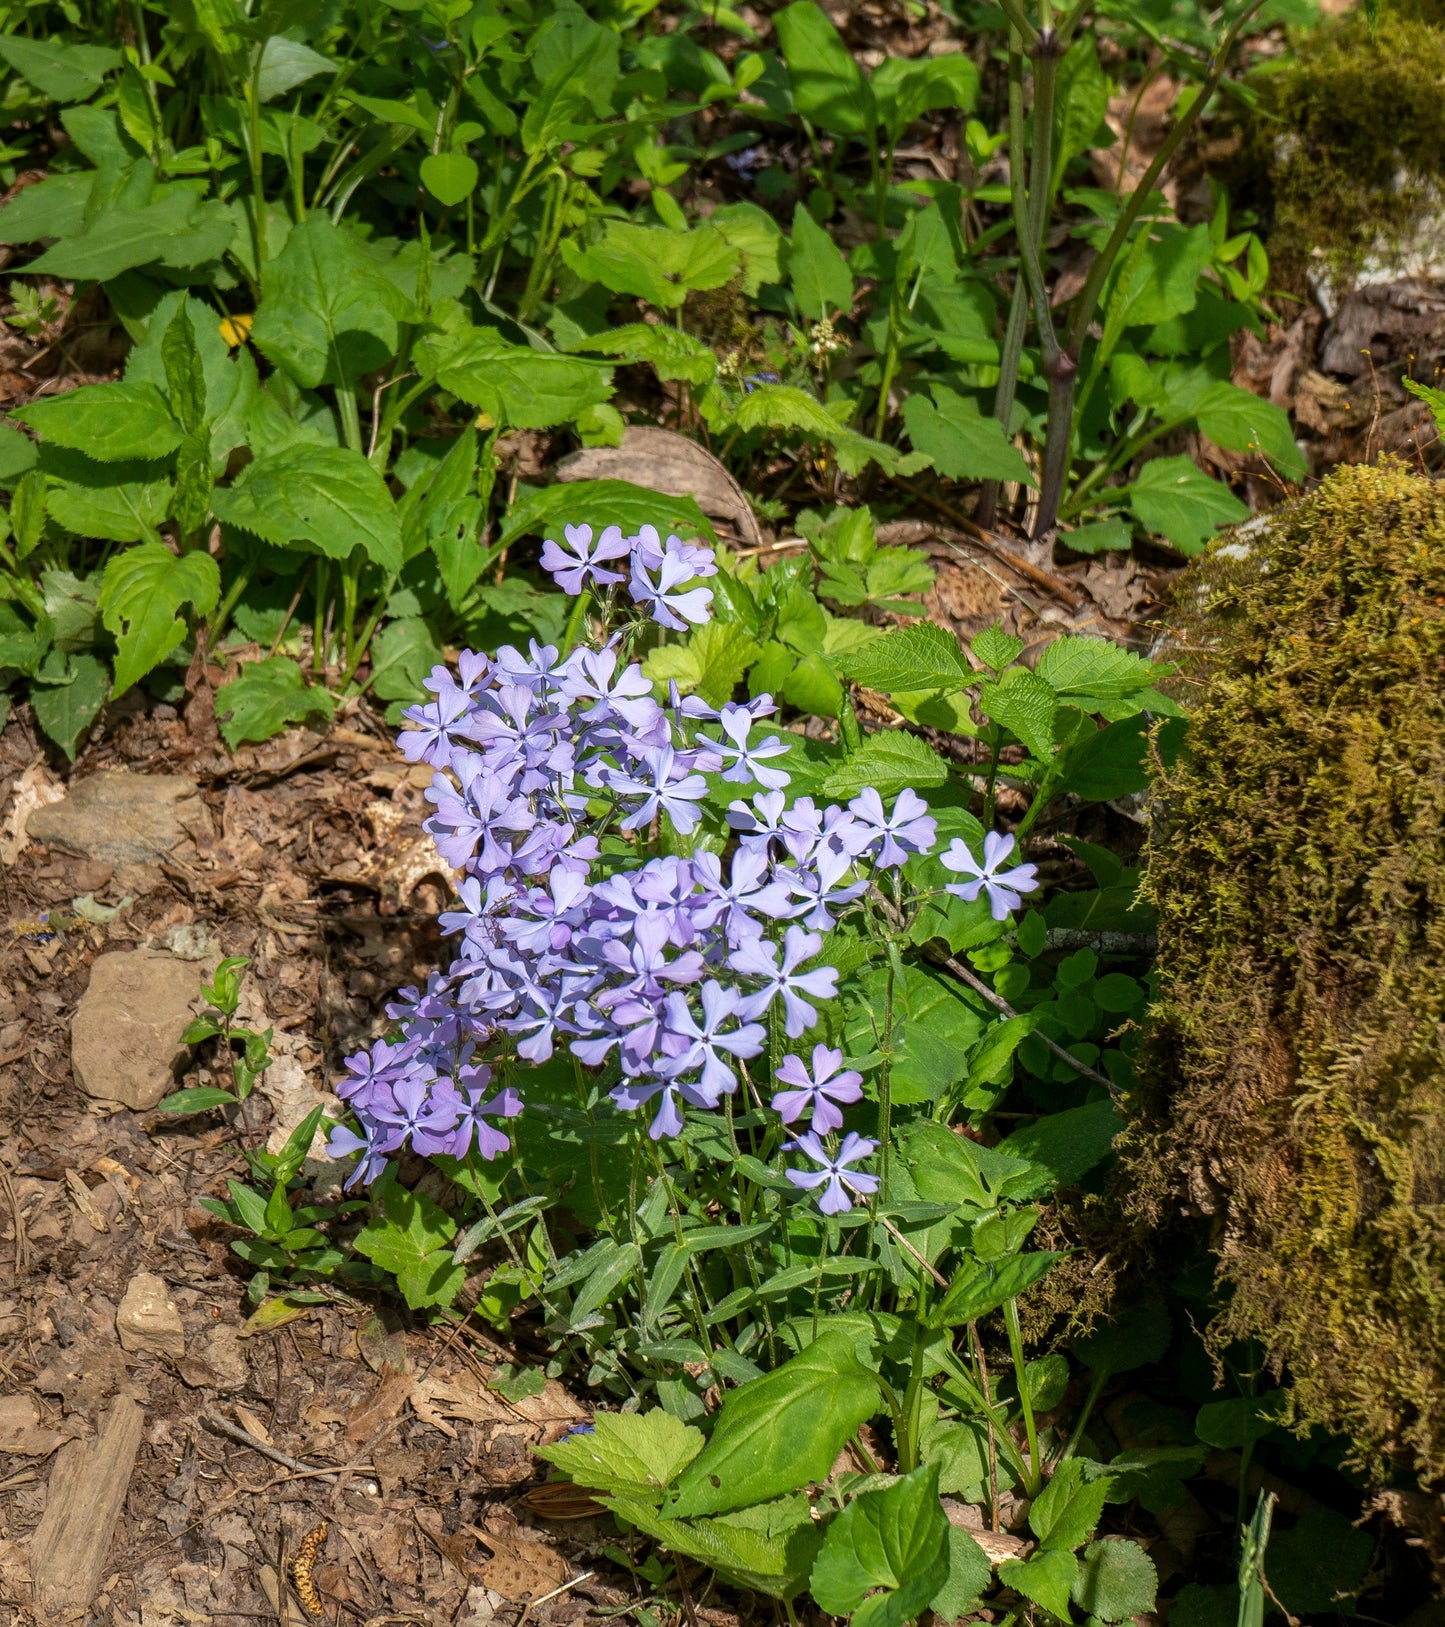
x: 17, y: 455
x: 1065, y: 1512
x: 451, y: 178
x: 758, y: 239
x: 905, y: 88
x: 673, y: 353
x: 111, y: 423
x: 890, y: 762
x: 981, y: 1287
x: 175, y: 228
x: 1080, y: 669
x: 23, y: 642
x: 961, y: 441
x: 1173, y: 498
x: 324, y: 497
x: 66, y: 710
x: 828, y: 86
x: 944, y: 1021
x: 1064, y: 1146
x: 960, y: 1451
x: 1165, y: 277
x: 542, y: 511
x: 1081, y: 100
x: 1245, y: 422
x: 654, y: 262
x: 54, y: 207
x: 59, y: 70
x: 922, y: 657
x: 711, y: 663
x: 286, y: 63
x: 1101, y: 536
x: 328, y: 313
x: 163, y: 358
x: 996, y: 648
x: 769, y: 1548
x: 266, y: 697
x: 969, y: 1573
x: 636, y: 1453
x: 1317, y: 1567
x: 1117, y: 1580
x: 1232, y: 1424
x: 1138, y: 1338
x: 1024, y: 704
x: 70, y: 604
x: 783, y: 406
x: 780, y: 1431
x: 894, y: 1541
x: 518, y: 387
x: 820, y: 278
x: 409, y: 1239
x: 119, y: 502
x: 1106, y: 763
x: 1047, y: 1578
x: 141, y: 596
x: 402, y: 654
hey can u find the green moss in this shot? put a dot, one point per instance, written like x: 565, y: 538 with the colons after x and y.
x: 1293, y: 1082
x: 1350, y: 137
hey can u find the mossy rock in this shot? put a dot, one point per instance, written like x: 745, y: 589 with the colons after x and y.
x: 1292, y: 1084
x: 1350, y: 144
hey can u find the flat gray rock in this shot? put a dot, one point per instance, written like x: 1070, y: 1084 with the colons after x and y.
x: 125, y: 1040
x: 119, y: 818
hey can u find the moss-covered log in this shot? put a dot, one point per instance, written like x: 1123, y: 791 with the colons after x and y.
x: 1293, y: 1085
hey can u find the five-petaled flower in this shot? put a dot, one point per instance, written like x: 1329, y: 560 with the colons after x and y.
x: 1004, y: 888
x: 835, y: 1177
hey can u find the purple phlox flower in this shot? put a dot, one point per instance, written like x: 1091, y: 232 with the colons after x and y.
x: 745, y: 762
x: 538, y: 669
x: 535, y: 1025
x: 435, y: 1128
x: 908, y: 829
x: 691, y: 706
x: 759, y: 958
x: 371, y: 1144
x: 592, y: 675
x: 706, y: 1039
x: 474, y: 920
x: 371, y: 1071
x: 817, y: 1093
x: 834, y: 1176
x: 473, y: 675
x: 759, y: 823
x: 666, y: 599
x: 649, y: 547
x: 417, y: 1107
x: 749, y: 892
x: 582, y: 565
x: 440, y: 725
x: 545, y: 918
x: 668, y: 787
x: 1004, y: 888
x: 819, y: 888
x: 476, y: 1108
x: 632, y: 1094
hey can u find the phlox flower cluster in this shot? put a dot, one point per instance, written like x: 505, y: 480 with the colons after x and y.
x: 668, y: 974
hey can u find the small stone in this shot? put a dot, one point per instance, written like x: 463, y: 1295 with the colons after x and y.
x: 219, y: 1363
x: 125, y: 1040
x: 119, y: 818
x: 148, y: 1322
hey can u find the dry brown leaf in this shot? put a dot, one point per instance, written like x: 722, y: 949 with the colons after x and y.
x: 34, y: 789
x: 384, y: 1403
x: 520, y: 1568
x: 20, y: 1430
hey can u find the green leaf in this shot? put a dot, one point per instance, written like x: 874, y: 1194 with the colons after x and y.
x: 655, y: 263
x: 890, y: 763
x: 175, y: 228
x: 1244, y: 422
x: 324, y: 497
x: 265, y: 697
x: 782, y: 1430
x: 200, y: 1099
x: 286, y: 63
x: 1232, y: 1424
x: 1106, y: 763
x: 905, y: 88
x: 1434, y: 399
x: 711, y: 663
x: 1081, y: 100
x: 1066, y: 1511
x: 981, y: 1287
x: 1319, y: 1566
x: 141, y: 595
x: 1135, y: 1340
x: 540, y: 512
x: 637, y: 1453
x: 1173, y: 498
x: 969, y: 1573
x: 997, y: 649
x: 119, y: 502
x: 922, y: 657
x: 1166, y: 276
x: 821, y: 280
x: 109, y: 422
x: 673, y: 353
x: 451, y: 178
x: 770, y: 1548
x: 782, y: 406
x: 1064, y: 1146
x: 963, y: 443
x: 328, y: 313
x: 409, y: 1239
x: 1024, y: 704
x: 828, y: 86
x: 61, y: 71
x: 1047, y: 1578
x: 1083, y: 669
x: 1117, y: 1580
x: 519, y: 387
x: 895, y: 1540
x: 66, y: 710
x: 402, y: 654
x: 756, y: 236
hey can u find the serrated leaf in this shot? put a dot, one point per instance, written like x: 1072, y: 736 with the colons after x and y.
x: 983, y: 1286
x: 402, y: 654
x: 638, y: 1453
x: 673, y: 353
x: 969, y: 1573
x: 961, y: 441
x: 1024, y: 704
x: 890, y: 763
x: 600, y: 503
x: 1065, y: 1512
x: 65, y: 711
x: 817, y: 271
x: 911, y: 659
x: 894, y: 1540
x: 711, y: 663
x: 325, y: 497
x: 783, y: 406
x: 1047, y: 1578
x: 141, y: 596
x: 1244, y: 422
x: 111, y: 423
x: 1173, y: 498
x: 780, y: 1431
x: 1107, y: 763
x: 58, y: 69
x: 266, y: 697
x: 175, y: 228
x: 654, y: 262
x: 519, y: 387
x: 769, y: 1549
x: 409, y: 1239
x: 996, y: 648
x: 1116, y: 1581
